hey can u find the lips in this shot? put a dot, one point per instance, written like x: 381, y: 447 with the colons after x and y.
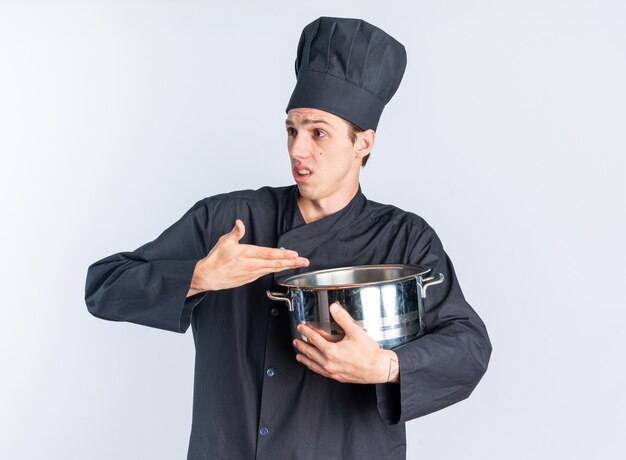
x: 302, y: 173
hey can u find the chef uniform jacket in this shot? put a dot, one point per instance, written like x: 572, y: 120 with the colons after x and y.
x: 252, y: 399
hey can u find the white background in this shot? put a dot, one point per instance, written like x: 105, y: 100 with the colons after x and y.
x: 506, y: 135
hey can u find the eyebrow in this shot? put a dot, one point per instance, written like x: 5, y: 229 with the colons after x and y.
x: 308, y: 121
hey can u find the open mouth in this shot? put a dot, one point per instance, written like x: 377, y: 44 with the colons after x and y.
x: 302, y: 173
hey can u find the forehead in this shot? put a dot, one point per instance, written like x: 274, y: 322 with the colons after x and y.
x: 306, y: 116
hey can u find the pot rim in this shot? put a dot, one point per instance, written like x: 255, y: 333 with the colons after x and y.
x: 287, y: 281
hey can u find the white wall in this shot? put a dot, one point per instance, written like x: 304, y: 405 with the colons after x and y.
x: 506, y: 135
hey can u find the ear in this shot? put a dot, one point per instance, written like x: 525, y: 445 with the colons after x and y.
x: 364, y: 143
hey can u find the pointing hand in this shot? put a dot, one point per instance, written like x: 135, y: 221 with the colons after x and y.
x: 231, y: 264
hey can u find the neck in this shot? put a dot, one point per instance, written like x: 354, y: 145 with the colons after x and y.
x: 313, y: 210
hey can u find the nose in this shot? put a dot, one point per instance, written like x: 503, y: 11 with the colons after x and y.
x: 299, y: 147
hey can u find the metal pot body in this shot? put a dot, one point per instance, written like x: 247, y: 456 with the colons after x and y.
x: 387, y: 301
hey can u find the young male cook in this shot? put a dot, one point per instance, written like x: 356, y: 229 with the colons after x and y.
x: 253, y: 396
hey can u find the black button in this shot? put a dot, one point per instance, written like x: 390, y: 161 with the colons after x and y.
x: 274, y: 311
x: 270, y: 372
x: 264, y: 431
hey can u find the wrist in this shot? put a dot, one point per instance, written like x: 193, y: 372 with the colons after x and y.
x: 197, y: 286
x: 393, y: 367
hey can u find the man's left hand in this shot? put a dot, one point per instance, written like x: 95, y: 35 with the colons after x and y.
x: 356, y: 358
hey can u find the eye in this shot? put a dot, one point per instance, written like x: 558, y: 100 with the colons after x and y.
x: 319, y: 133
x: 290, y: 131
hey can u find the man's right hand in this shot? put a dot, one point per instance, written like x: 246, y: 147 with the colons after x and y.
x: 230, y: 264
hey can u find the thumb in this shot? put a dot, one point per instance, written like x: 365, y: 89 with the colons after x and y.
x: 238, y: 231
x: 343, y: 319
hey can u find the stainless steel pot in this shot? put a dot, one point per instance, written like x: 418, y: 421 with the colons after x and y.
x: 387, y: 301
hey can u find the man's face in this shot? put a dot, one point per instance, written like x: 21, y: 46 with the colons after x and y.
x: 324, y: 162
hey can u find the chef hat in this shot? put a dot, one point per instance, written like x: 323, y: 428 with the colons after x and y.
x: 347, y: 67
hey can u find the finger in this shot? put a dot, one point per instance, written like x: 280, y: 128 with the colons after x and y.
x: 258, y: 267
x: 327, y: 335
x: 312, y: 365
x: 252, y: 275
x: 236, y: 233
x: 262, y: 252
x: 314, y: 338
x: 264, y: 264
x: 343, y: 319
x: 309, y: 351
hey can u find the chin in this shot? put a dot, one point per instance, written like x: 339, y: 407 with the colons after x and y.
x: 308, y: 192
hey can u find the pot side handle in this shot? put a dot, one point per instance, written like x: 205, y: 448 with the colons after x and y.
x: 427, y: 282
x: 281, y: 297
